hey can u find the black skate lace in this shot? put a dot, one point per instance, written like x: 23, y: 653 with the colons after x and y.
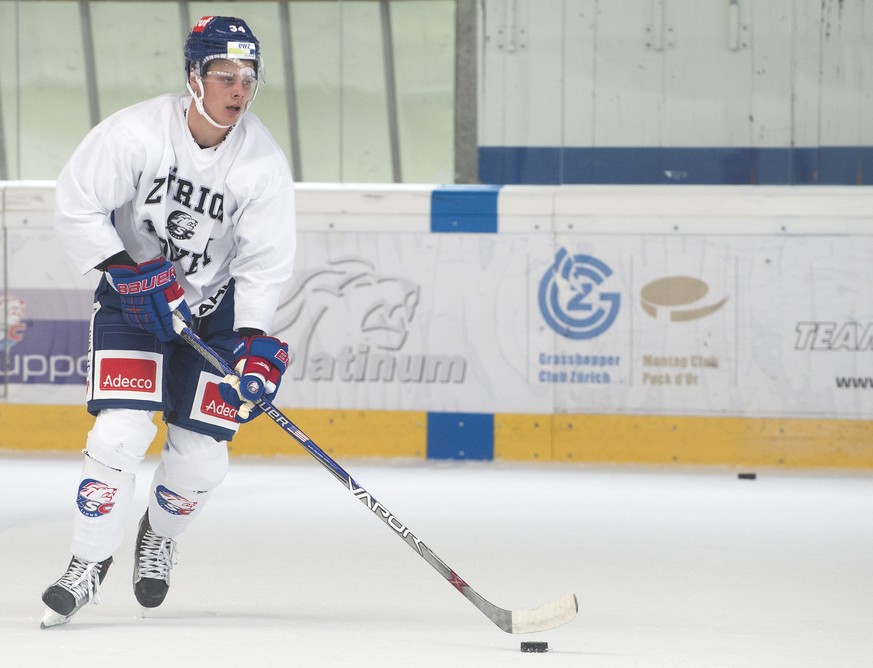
x: 82, y: 578
x: 157, y: 556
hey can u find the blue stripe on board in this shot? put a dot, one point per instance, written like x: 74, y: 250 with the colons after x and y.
x: 460, y: 436
x: 464, y: 209
x: 827, y: 165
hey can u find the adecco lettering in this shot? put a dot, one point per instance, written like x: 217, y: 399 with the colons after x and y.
x: 220, y: 409
x: 119, y: 382
x: 131, y: 375
x: 215, y: 406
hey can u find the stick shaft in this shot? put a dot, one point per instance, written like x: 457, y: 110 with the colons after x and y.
x: 502, y: 618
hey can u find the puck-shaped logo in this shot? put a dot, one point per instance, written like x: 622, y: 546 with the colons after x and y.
x: 678, y: 299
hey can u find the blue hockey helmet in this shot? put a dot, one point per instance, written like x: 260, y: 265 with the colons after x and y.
x: 221, y: 37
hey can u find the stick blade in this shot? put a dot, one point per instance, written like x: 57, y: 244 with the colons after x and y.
x: 546, y: 617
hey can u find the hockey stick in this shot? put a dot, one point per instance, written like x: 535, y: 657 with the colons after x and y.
x: 548, y: 616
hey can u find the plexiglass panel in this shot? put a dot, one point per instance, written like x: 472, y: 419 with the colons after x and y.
x: 567, y: 91
x: 357, y: 90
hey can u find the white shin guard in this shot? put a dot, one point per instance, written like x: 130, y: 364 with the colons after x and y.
x: 172, y: 508
x: 192, y: 465
x: 114, y: 449
x: 102, y: 501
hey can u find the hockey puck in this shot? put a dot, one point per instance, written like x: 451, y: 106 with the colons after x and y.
x: 747, y: 476
x: 534, y: 647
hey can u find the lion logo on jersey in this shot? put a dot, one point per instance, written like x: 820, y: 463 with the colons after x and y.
x: 181, y: 225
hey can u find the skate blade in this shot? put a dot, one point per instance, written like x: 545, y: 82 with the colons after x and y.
x: 52, y: 618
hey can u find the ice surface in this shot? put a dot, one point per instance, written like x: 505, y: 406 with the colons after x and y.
x: 672, y: 568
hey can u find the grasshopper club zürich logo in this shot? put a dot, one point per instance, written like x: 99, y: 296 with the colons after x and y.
x: 572, y: 299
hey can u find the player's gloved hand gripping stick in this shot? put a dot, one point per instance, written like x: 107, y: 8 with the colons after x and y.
x: 150, y: 295
x: 258, y: 362
x: 548, y: 616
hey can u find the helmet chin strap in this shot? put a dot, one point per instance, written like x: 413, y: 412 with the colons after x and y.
x: 198, y: 102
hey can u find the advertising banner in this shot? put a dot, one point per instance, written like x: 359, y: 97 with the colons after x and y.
x: 44, y: 311
x: 654, y: 324
x: 412, y: 322
x: 751, y: 325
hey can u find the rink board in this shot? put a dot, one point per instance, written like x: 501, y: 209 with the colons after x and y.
x: 701, y: 325
x: 601, y: 439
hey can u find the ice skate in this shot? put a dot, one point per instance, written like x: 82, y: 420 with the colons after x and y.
x: 153, y: 560
x: 78, y: 586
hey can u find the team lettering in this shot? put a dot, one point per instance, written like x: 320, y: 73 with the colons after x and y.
x: 94, y: 508
x: 183, y: 191
x: 199, y: 199
x: 207, y: 306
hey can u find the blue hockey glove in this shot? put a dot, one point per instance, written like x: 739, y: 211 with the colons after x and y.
x: 149, y: 295
x: 260, y: 362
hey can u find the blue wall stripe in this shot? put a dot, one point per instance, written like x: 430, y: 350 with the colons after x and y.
x: 826, y: 165
x: 460, y: 436
x: 464, y: 209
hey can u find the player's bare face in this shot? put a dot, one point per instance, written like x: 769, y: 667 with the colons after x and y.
x: 228, y: 87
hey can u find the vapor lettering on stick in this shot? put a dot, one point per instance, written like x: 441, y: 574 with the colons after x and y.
x: 543, y: 618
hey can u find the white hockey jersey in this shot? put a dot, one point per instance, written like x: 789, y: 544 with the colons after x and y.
x: 217, y: 213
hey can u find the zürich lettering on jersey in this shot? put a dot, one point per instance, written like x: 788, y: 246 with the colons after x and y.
x: 181, y: 226
x: 182, y: 191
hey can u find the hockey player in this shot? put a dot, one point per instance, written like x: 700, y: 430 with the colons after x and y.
x: 186, y: 204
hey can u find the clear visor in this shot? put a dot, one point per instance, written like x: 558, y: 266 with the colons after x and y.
x: 245, y: 76
x: 247, y: 68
